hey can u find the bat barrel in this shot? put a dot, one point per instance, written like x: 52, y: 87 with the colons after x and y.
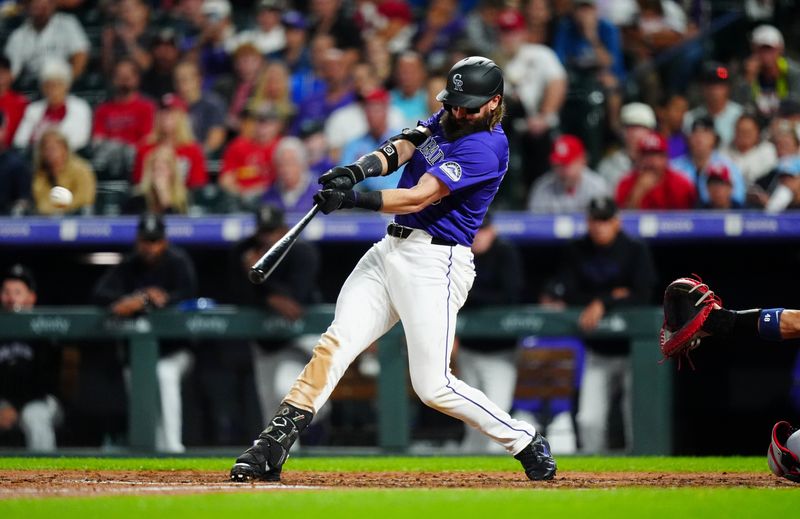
x: 256, y: 275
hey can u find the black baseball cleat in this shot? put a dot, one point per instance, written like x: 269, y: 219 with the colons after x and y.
x: 536, y: 459
x: 253, y: 464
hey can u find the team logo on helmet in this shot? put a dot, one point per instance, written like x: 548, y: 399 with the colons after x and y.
x: 458, y: 83
x: 452, y: 170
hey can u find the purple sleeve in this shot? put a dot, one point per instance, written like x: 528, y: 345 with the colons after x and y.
x: 432, y: 123
x: 467, y: 163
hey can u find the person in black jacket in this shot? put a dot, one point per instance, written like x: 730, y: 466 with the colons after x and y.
x: 28, y: 372
x: 604, y: 270
x: 156, y: 274
x: 488, y: 364
x: 286, y: 293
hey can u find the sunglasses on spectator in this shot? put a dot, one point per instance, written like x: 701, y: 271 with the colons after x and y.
x: 450, y: 108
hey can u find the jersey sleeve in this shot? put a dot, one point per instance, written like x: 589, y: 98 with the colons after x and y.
x: 467, y: 163
x: 432, y: 122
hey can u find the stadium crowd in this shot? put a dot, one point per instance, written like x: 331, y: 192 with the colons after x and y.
x: 181, y: 106
x: 216, y: 106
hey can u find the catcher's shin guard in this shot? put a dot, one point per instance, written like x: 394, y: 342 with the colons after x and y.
x: 264, y: 460
x: 536, y: 459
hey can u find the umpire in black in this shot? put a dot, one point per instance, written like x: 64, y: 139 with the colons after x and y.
x: 604, y: 270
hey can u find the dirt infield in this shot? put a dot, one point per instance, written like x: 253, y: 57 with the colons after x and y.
x: 23, y: 483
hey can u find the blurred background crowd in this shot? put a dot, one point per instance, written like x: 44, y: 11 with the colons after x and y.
x: 111, y: 107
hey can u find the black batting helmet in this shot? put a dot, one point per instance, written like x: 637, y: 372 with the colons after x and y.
x: 472, y: 82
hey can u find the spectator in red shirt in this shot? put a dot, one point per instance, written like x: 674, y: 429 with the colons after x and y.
x: 128, y: 116
x: 247, y: 170
x: 12, y: 104
x: 172, y: 129
x: 652, y: 184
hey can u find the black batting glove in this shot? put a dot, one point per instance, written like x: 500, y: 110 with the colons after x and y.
x: 329, y: 200
x: 342, y: 177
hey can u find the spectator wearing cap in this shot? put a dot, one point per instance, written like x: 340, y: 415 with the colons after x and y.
x: 653, y: 184
x: 56, y: 165
x: 537, y: 81
x: 296, y: 53
x: 489, y: 364
x: 769, y: 190
x: 210, y: 49
x: 127, y: 35
x: 155, y: 275
x: 703, y: 152
x: 58, y: 108
x: 409, y: 95
x: 752, y: 154
x: 571, y: 185
x: 638, y: 120
x: 295, y: 186
x: 29, y: 372
x: 46, y: 34
x: 376, y: 107
x: 715, y: 80
x: 268, y: 35
x: 247, y: 170
x: 390, y: 23
x: 206, y: 109
x: 602, y: 271
x: 348, y: 121
x: 15, y: 177
x: 237, y: 90
x: 670, y: 114
x: 768, y: 74
x: 157, y: 80
x: 12, y: 104
x: 720, y: 188
x: 319, y: 155
x: 173, y: 128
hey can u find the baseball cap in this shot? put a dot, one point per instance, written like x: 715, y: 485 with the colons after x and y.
x: 653, y: 143
x: 566, y: 149
x: 510, y: 20
x: 704, y: 123
x: 396, y: 10
x: 767, y: 36
x: 21, y: 273
x: 378, y: 95
x: 151, y: 227
x: 294, y: 20
x: 638, y: 114
x: 602, y: 208
x: 714, y: 72
x: 718, y: 172
x: 269, y: 218
x: 217, y: 9
x: 172, y: 102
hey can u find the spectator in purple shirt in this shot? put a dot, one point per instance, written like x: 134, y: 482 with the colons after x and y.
x: 339, y: 92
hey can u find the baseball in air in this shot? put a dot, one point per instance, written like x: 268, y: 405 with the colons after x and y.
x: 61, y: 196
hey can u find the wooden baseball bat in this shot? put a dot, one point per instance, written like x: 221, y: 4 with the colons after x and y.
x: 262, y: 268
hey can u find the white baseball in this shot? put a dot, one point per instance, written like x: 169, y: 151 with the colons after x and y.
x: 60, y: 196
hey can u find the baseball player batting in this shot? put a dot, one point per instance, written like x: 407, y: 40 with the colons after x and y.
x: 692, y: 311
x: 420, y: 273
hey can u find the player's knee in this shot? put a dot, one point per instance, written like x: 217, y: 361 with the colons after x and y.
x: 431, y: 395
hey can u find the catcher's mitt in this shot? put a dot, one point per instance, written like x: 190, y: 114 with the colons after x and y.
x: 687, y: 304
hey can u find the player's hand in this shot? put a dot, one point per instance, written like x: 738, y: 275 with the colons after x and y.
x: 329, y: 200
x: 591, y: 315
x: 158, y: 296
x: 341, y: 177
x: 8, y: 417
x: 129, y: 305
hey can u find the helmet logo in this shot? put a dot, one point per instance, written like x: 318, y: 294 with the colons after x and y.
x: 458, y: 83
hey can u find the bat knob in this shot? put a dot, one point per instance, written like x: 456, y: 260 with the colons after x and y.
x: 257, y: 276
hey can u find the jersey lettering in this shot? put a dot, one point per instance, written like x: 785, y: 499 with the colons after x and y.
x: 430, y: 150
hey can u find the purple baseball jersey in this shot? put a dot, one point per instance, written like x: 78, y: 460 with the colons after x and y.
x: 472, y: 167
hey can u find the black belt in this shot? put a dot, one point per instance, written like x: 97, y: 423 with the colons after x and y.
x: 403, y: 232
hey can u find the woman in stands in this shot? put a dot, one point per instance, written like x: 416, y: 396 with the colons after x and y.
x: 56, y: 165
x: 161, y: 190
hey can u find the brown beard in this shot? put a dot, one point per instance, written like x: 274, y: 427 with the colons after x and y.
x: 454, y: 129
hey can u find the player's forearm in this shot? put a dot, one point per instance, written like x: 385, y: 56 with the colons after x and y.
x: 428, y: 190
x: 790, y: 324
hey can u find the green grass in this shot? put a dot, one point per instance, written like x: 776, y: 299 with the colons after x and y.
x: 460, y: 504
x: 378, y: 464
